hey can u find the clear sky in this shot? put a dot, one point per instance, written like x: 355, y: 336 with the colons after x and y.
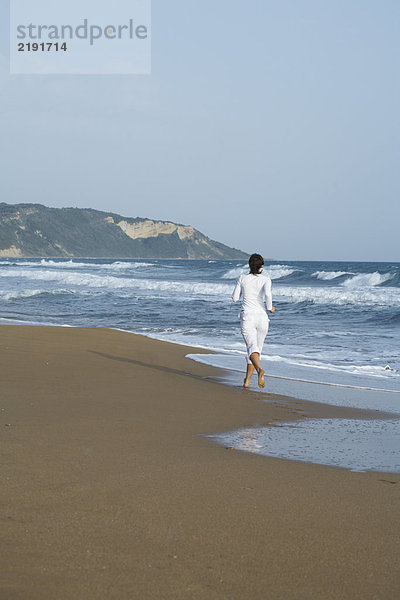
x: 269, y: 126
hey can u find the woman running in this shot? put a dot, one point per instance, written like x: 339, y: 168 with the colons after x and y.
x: 254, y: 288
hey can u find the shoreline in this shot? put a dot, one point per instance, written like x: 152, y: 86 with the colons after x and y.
x: 220, y: 351
x: 220, y: 370
x: 112, y: 490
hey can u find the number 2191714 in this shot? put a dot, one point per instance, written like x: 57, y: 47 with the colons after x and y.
x: 42, y: 47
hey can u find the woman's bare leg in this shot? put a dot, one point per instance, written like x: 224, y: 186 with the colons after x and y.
x: 255, y: 359
x: 249, y: 373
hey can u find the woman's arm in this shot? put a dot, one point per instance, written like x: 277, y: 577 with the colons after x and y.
x: 268, y: 296
x: 238, y: 290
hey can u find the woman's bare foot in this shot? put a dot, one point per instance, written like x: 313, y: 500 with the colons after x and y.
x: 249, y: 373
x: 261, y: 380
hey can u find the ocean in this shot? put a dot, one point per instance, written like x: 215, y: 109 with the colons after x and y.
x: 335, y: 322
x: 335, y: 335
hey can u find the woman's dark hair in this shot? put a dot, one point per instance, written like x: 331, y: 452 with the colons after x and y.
x: 256, y: 261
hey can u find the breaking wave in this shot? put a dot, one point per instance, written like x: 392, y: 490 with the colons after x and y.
x: 236, y: 272
x: 272, y: 271
x: 329, y: 275
x: 112, y: 282
x: 71, y: 264
x: 338, y: 296
x: 31, y: 293
x: 367, y: 279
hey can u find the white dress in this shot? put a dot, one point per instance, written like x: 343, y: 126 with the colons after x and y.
x: 254, y: 321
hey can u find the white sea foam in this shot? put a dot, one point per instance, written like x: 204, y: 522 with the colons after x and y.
x: 15, y: 295
x: 339, y: 296
x: 317, y: 295
x: 328, y: 275
x: 272, y: 271
x: 278, y: 271
x: 73, y: 264
x: 20, y: 263
x: 22, y: 294
x: 116, y: 265
x: 48, y: 262
x: 120, y: 265
x: 110, y: 282
x: 279, y: 365
x: 367, y: 280
x: 370, y: 370
x: 316, y: 381
x: 59, y: 264
x: 236, y: 272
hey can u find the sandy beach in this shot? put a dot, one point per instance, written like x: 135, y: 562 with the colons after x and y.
x: 110, y: 489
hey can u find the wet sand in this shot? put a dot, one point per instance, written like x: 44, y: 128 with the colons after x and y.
x: 109, y: 489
